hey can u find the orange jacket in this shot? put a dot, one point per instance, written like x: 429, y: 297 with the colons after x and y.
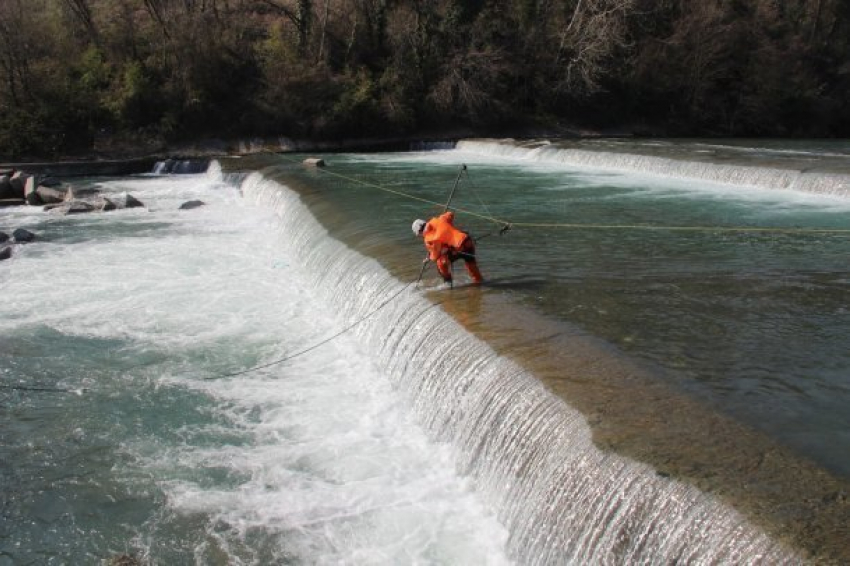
x: 440, y: 235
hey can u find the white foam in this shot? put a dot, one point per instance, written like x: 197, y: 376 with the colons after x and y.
x: 827, y: 185
x: 330, y: 468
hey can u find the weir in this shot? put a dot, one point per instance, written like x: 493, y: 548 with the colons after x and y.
x: 530, y: 455
x: 798, y: 178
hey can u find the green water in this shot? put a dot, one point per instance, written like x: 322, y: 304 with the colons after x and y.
x: 753, y: 324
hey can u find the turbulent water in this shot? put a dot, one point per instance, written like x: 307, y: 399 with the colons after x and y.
x: 259, y: 381
x: 138, y: 314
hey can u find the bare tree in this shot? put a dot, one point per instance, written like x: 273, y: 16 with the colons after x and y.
x: 301, y: 15
x: 83, y: 13
x: 595, y: 30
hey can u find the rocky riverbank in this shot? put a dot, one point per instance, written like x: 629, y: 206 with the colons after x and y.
x: 38, y: 185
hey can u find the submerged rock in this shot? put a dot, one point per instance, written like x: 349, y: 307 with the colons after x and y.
x: 314, y: 162
x: 23, y: 236
x: 188, y: 205
x: 73, y: 207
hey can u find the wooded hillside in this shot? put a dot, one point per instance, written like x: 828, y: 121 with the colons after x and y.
x: 76, y: 71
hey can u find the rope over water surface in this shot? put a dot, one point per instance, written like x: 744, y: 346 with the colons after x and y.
x: 581, y: 226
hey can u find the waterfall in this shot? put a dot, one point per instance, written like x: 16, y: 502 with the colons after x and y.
x: 834, y: 184
x: 181, y: 166
x: 425, y: 145
x: 527, y: 452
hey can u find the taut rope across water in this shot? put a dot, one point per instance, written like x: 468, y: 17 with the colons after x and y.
x: 589, y: 226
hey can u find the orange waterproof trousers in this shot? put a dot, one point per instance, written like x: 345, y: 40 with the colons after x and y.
x: 466, y: 252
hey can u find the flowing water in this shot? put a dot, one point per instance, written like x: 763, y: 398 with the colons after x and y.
x: 259, y: 380
x: 136, y: 313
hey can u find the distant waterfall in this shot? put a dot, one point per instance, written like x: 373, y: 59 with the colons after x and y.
x: 431, y: 145
x: 181, y: 166
x: 528, y: 453
x: 730, y: 174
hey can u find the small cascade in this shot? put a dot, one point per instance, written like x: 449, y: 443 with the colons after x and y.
x: 528, y: 453
x: 831, y: 184
x: 432, y: 145
x: 181, y: 166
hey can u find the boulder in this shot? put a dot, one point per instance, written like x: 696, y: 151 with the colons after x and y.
x: 79, y: 207
x: 4, y: 237
x: 6, y: 190
x: 190, y: 204
x: 314, y: 162
x: 73, y: 207
x: 107, y: 205
x: 6, y: 253
x: 132, y: 202
x: 30, y: 194
x: 23, y: 236
x: 19, y: 182
x: 50, y: 195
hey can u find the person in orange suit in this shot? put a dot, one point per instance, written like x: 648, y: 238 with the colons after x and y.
x: 446, y: 244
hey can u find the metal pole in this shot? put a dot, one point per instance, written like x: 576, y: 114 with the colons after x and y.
x: 452, y: 194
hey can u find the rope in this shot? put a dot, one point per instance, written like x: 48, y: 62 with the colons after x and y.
x: 589, y: 226
x: 326, y: 340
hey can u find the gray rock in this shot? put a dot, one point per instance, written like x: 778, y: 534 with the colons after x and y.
x: 314, y: 162
x: 132, y: 202
x: 190, y: 204
x: 30, y: 194
x: 107, y: 205
x: 23, y: 236
x: 6, y: 253
x: 6, y: 190
x: 80, y: 207
x: 19, y: 182
x: 73, y: 207
x: 50, y: 195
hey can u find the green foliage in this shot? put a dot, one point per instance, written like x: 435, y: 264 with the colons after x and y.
x: 356, y: 108
x: 346, y: 68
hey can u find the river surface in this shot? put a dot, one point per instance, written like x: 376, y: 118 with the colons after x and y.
x: 656, y: 370
x: 754, y: 322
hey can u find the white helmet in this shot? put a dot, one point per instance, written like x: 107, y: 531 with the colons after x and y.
x: 418, y: 226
